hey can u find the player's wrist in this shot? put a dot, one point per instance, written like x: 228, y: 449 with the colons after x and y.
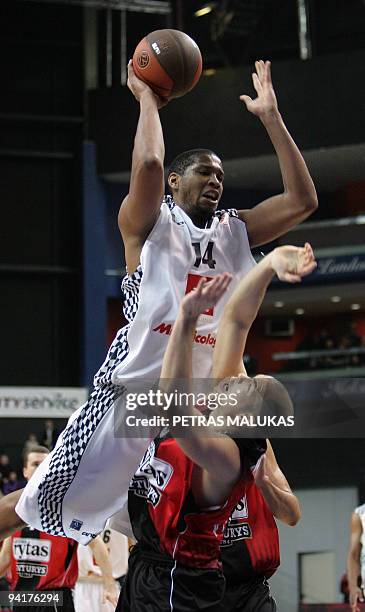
x: 271, y: 117
x: 147, y: 95
x: 270, y: 261
x: 188, y: 319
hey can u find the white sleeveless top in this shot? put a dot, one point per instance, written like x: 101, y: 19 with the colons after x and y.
x: 360, y: 511
x: 175, y: 255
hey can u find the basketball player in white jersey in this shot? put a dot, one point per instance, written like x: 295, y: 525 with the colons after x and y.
x: 169, y: 246
x: 356, y: 558
x: 89, y: 591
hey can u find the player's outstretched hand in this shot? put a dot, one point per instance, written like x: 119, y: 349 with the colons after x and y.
x: 292, y: 263
x: 138, y: 87
x: 110, y: 592
x: 354, y: 597
x: 206, y: 295
x: 265, y: 103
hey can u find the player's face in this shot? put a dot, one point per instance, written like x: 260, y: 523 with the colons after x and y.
x: 200, y: 188
x: 33, y: 461
x: 249, y: 399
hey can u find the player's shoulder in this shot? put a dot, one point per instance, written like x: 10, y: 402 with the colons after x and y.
x: 233, y: 218
x: 226, y: 213
x: 360, y: 511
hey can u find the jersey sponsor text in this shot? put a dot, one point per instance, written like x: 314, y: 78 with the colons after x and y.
x: 31, y: 549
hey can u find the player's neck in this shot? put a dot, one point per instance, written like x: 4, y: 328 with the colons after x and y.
x: 198, y: 217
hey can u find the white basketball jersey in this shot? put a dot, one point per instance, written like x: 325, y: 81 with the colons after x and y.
x: 174, y: 257
x: 117, y: 545
x: 85, y: 479
x: 360, y: 511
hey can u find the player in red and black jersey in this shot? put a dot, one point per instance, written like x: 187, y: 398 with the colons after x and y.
x: 186, y: 488
x: 250, y: 547
x: 37, y: 561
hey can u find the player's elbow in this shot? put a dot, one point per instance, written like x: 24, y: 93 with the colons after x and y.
x: 294, y: 519
x: 151, y: 163
x: 311, y: 202
x: 293, y: 515
x: 303, y: 202
x: 308, y: 202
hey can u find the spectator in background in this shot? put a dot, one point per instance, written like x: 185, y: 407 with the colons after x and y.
x: 50, y: 434
x: 31, y: 440
x: 52, y: 565
x: 5, y: 467
x: 350, y: 339
x: 13, y: 483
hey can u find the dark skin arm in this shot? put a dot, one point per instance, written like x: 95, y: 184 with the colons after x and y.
x: 299, y: 198
x: 140, y: 208
x: 9, y: 520
x: 5, y: 557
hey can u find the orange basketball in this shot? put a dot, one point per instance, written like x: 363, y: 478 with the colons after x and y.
x: 169, y: 61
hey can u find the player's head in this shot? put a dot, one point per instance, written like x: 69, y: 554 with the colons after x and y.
x: 260, y: 395
x: 32, y: 458
x: 195, y: 179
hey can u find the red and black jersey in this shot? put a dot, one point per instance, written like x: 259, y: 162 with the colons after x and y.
x: 250, y: 546
x: 164, y: 515
x: 41, y: 561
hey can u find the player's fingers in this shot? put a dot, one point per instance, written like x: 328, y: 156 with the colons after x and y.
x: 218, y: 289
x: 200, y: 286
x: 258, y: 66
x: 268, y: 72
x: 227, y: 280
x: 308, y: 268
x: 290, y: 277
x: 256, y: 82
x: 246, y: 99
x: 309, y: 249
x: 224, y: 280
x: 212, y: 288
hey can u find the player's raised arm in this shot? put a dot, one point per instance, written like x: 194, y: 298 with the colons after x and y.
x: 101, y: 555
x: 290, y: 264
x: 5, y: 556
x: 140, y: 208
x: 276, y: 215
x: 276, y: 490
x: 217, y: 456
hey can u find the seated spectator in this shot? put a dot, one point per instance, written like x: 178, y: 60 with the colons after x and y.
x: 50, y: 434
x: 5, y: 467
x: 31, y: 440
x: 13, y: 483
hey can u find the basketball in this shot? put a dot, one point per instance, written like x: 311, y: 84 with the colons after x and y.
x: 169, y: 61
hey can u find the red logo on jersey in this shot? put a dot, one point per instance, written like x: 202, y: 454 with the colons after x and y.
x: 166, y: 328
x: 192, y: 283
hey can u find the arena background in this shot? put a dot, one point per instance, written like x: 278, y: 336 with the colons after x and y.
x: 67, y: 128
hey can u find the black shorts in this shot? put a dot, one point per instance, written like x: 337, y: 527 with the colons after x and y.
x: 155, y: 585
x: 252, y: 597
